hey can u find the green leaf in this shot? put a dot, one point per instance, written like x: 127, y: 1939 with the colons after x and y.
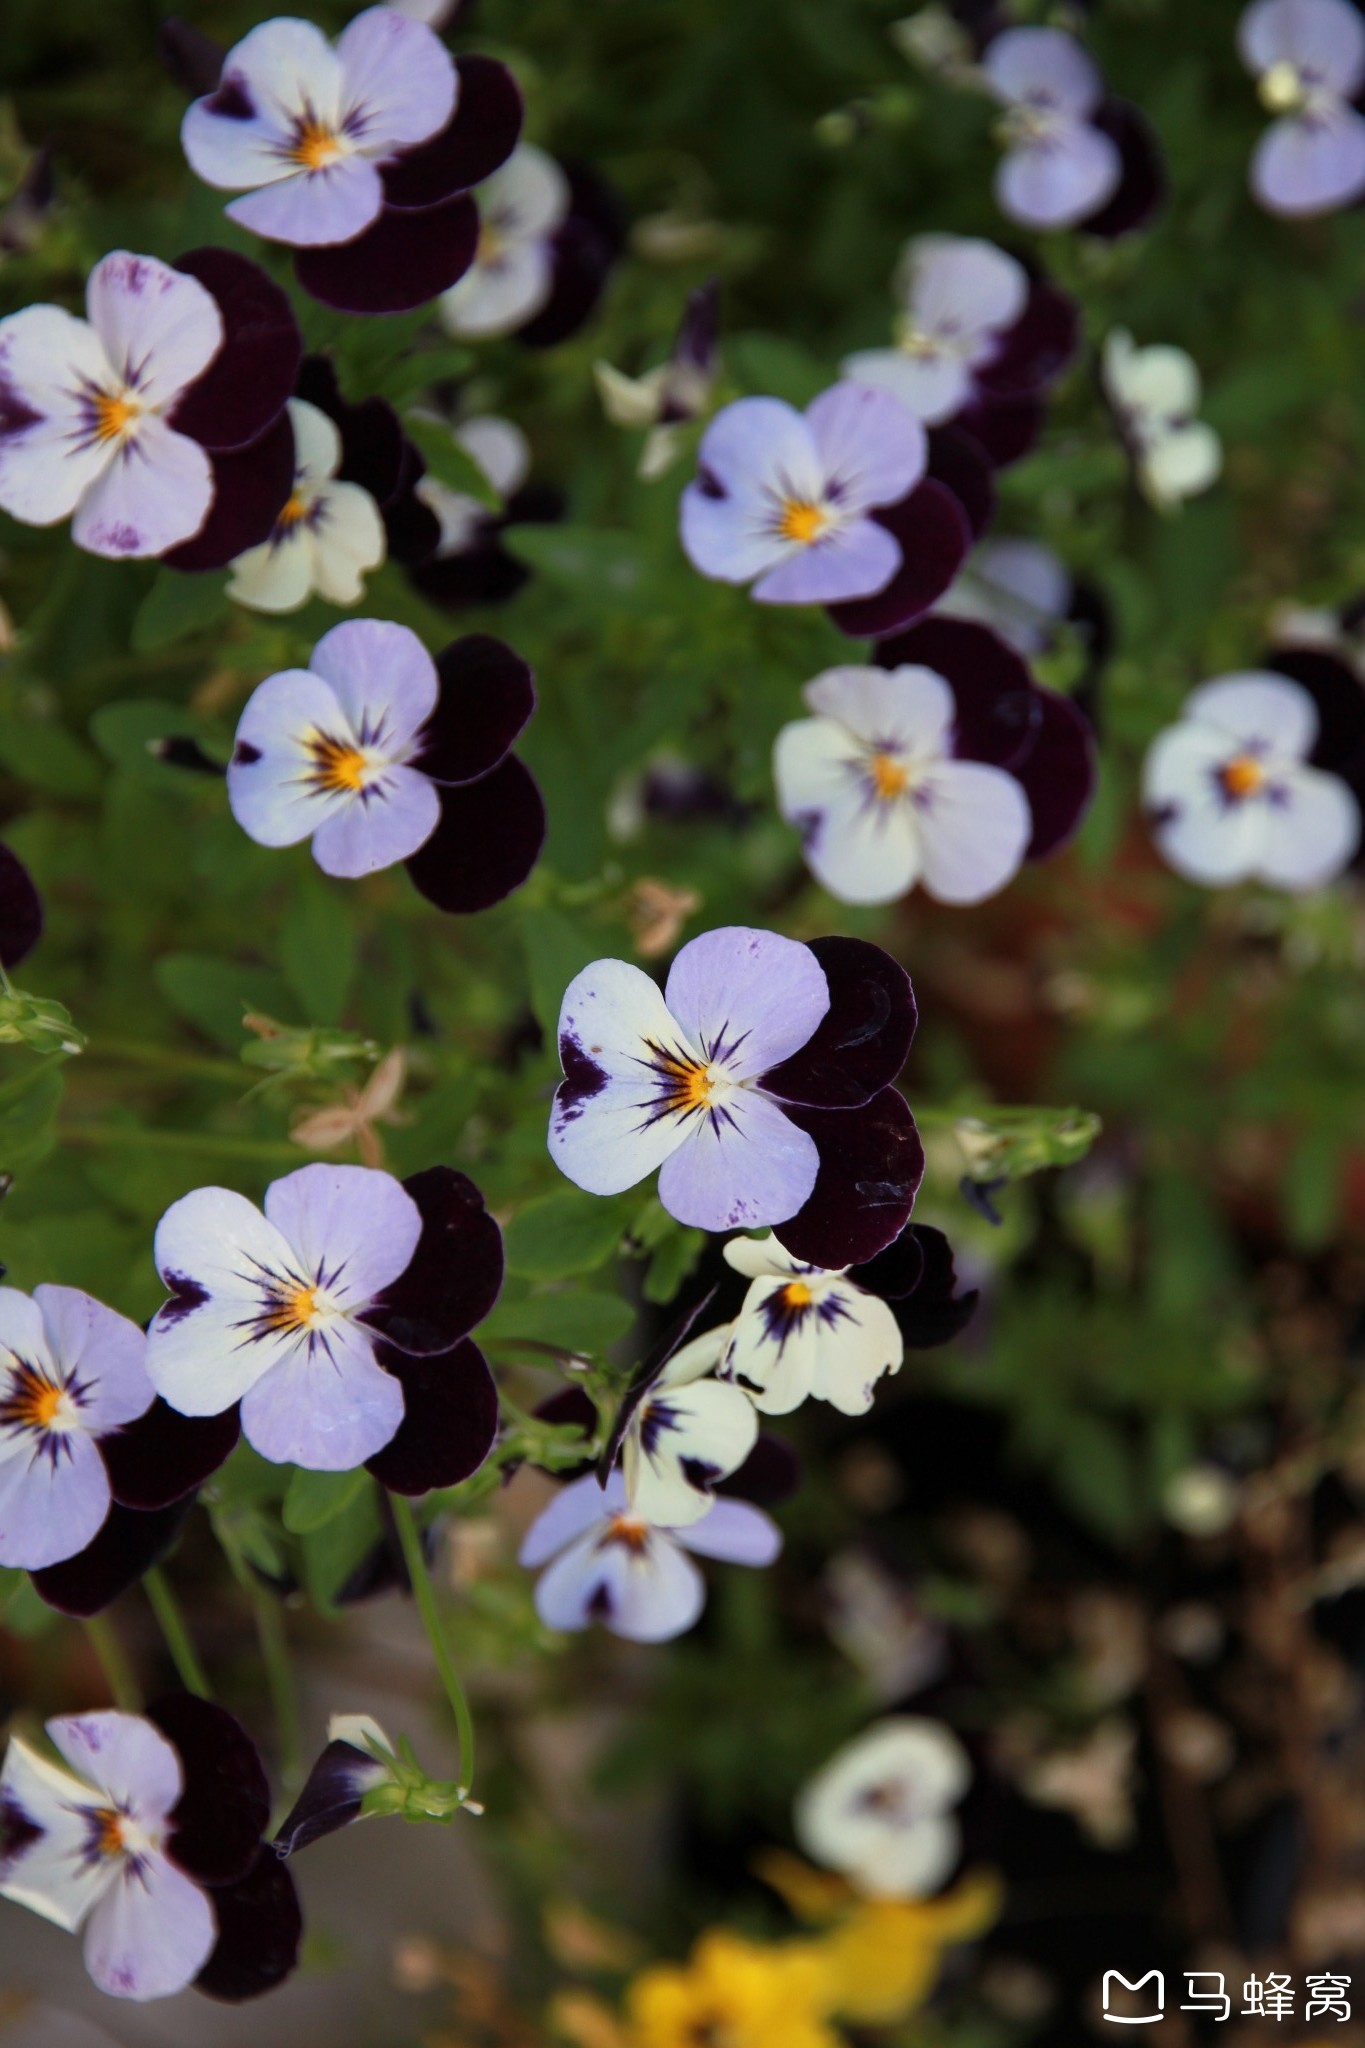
x: 671, y: 1262
x: 333, y: 1552
x: 561, y: 1234
x: 448, y: 462
x: 769, y: 366
x: 127, y: 733
x: 28, y: 1114
x: 570, y: 1319
x: 318, y: 950
x: 312, y: 1499
x: 214, y: 994
x: 556, y: 950
x: 47, y: 756
x: 177, y: 606
x: 1312, y: 1189
x: 601, y: 569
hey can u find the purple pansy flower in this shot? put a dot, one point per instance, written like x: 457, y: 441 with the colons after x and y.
x: 1058, y: 166
x: 880, y: 1810
x: 881, y: 800
x: 548, y: 236
x: 1233, y: 796
x: 337, y: 1319
x: 757, y: 1082
x: 151, y: 1842
x: 1003, y: 717
x: 358, y: 154
x: 155, y: 423
x: 1309, y: 61
x: 358, y: 1759
x: 608, y: 1562
x: 380, y: 754
x: 71, y: 1373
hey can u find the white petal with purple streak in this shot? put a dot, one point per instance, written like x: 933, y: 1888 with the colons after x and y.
x: 159, y: 328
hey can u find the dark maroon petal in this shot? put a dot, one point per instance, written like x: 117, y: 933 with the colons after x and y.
x: 871, y: 1165
x: 862, y: 1041
x: 698, y: 341
x: 483, y: 573
x: 479, y: 136
x: 250, y: 489
x: 487, y: 842
x: 331, y: 1798
x: 164, y: 1455
x: 934, y: 535
x: 21, y: 910
x: 960, y: 462
x: 225, y: 1806
x: 192, y: 60
x: 259, y: 1931
x: 1004, y: 428
x: 454, y: 1276
x: 450, y: 1419
x: 999, y: 711
x: 1058, y: 774
x: 399, y: 263
x: 373, y: 445
x: 643, y: 1378
x: 1339, y: 696
x: 769, y: 1475
x: 898, y: 1270
x: 246, y: 385
x: 413, y: 530
x: 1039, y: 346
x: 487, y: 695
x: 128, y: 1545
x: 1142, y: 186
x: 935, y: 1313
x: 585, y: 248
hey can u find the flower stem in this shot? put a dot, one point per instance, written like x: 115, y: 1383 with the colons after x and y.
x: 117, y: 1671
x: 425, y: 1595
x: 171, y: 1622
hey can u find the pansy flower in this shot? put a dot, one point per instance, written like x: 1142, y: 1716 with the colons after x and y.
x: 1309, y: 60
x: 665, y: 399
x: 21, y: 910
x: 379, y: 754
x: 977, y: 341
x: 805, y: 1333
x: 1232, y: 795
x: 548, y: 236
x: 880, y: 1811
x: 326, y: 536
x: 1003, y: 717
x: 608, y: 1562
x: 881, y: 801
x: 469, y: 564
x: 1154, y: 393
x: 680, y: 1431
x: 1331, y: 675
x: 358, y: 154
x: 151, y: 1842
x: 71, y: 1373
x: 757, y: 1083
x: 337, y: 1319
x: 1074, y: 155
x: 154, y: 424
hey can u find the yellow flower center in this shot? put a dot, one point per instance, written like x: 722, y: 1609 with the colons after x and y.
x: 688, y: 1084
x: 797, y: 1295
x: 889, y: 777
x: 802, y: 520
x: 1281, y: 89
x: 294, y: 510
x: 489, y: 247
x: 338, y: 765
x: 115, y: 415
x: 36, y: 1402
x: 108, y: 1825
x: 1242, y: 777
x: 316, y: 146
x: 296, y: 1309
x: 630, y: 1530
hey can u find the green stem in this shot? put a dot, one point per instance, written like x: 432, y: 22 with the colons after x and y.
x: 167, y: 1059
x: 274, y: 1648
x: 118, y: 1674
x: 425, y: 1596
x: 171, y: 1622
x: 266, y: 1150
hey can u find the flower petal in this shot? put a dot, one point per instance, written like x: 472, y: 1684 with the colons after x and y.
x: 387, y: 823
x: 103, y: 1349
x: 353, y: 1226
x: 861, y: 849
x: 864, y: 1039
x: 930, y: 387
x: 164, y: 1456
x: 128, y: 1544
x: 274, y: 789
x: 1326, y: 37
x: 1043, y: 67
x: 1259, y: 710
x: 501, y: 295
x: 260, y: 1930
x: 1058, y: 775
x: 400, y: 262
x: 647, y: 1595
x: 932, y: 534
x: 479, y: 137
x: 605, y: 1130
x: 852, y: 1354
x: 212, y: 1248
x: 687, y: 1437
x: 348, y: 540
x: 328, y: 1406
x: 48, y: 456
x: 998, y: 707
x: 873, y: 452
x: 975, y: 826
x: 871, y: 1165
x: 218, y: 1821
x: 398, y: 79
x: 156, y: 492
x: 486, y: 696
x: 771, y: 1356
x: 53, y: 1501
x: 574, y: 1509
x: 853, y: 560
x: 314, y: 209
x: 43, y: 1864
x: 384, y: 679
x: 754, y: 452
x: 742, y: 1167
x: 486, y: 843
x: 734, y: 1532
x: 123, y: 1755
x: 250, y: 489
x: 160, y: 329
x: 450, y: 1419
x: 21, y: 911
x: 746, y: 998
x: 453, y: 1278
x: 246, y: 387
x: 1057, y: 183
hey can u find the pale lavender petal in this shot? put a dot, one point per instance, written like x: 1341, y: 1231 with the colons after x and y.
x: 275, y: 790
x: 1325, y: 38
x: 398, y: 79
x: 106, y: 1352
x: 314, y: 208
x: 152, y: 1932
x: 23, y: 1330
x: 54, y: 1498
x: 855, y: 559
x: 501, y: 293
x: 734, y: 1532
x: 156, y: 493
x: 123, y: 1755
x: 740, y: 1166
x: 647, y: 1594
x: 728, y: 536
x: 572, y: 1510
x: 1261, y: 711
x: 746, y: 998
x: 974, y: 829
x: 862, y: 849
x: 48, y: 457
x: 386, y: 822
x: 1308, y: 838
x: 871, y: 449
x: 756, y: 454
x: 44, y: 1866
x: 384, y: 679
x: 207, y: 1345
x: 1310, y: 163
x: 1043, y: 67
x: 160, y: 328
x: 609, y: 1127
x: 328, y: 1406
x: 354, y: 1227
x: 932, y: 387
x: 234, y: 153
x: 1056, y: 182
x: 284, y: 72
x: 962, y: 289
x: 909, y: 709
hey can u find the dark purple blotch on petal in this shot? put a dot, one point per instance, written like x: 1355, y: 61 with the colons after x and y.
x: 454, y: 1276
x: 863, y: 1040
x: 222, y: 1813
x: 251, y: 487
x: 585, y: 248
x: 260, y: 1928
x: 934, y: 535
x: 128, y: 1545
x: 479, y: 137
x: 871, y: 1165
x: 191, y: 60
x: 487, y: 842
x: 583, y: 1078
x: 450, y: 1418
x: 331, y: 1798
x: 1339, y: 699
x: 21, y: 910
x: 487, y: 695
x: 644, y: 1377
x: 18, y: 1830
x: 163, y: 1455
x: 998, y: 707
x: 934, y: 1313
x: 1141, y: 190
x: 249, y: 381
x: 401, y: 262
x: 1037, y: 349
